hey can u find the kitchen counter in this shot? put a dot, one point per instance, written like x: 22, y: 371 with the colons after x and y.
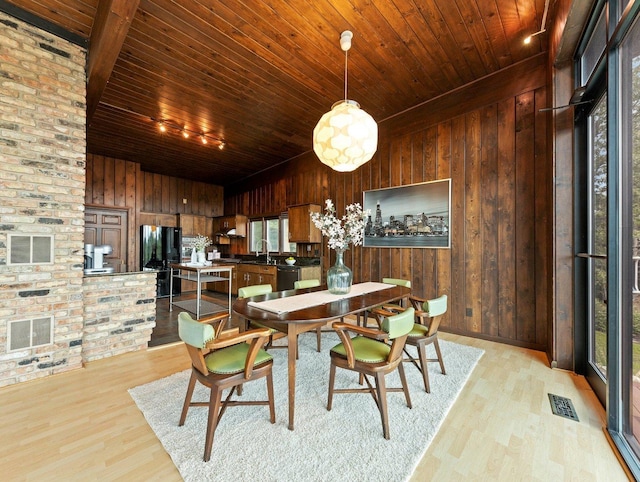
x: 125, y: 273
x: 279, y: 260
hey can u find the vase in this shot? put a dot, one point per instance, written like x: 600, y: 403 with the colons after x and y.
x: 194, y: 257
x: 200, y: 257
x: 339, y: 276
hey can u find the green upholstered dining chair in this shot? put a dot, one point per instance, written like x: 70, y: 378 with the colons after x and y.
x: 256, y: 290
x: 398, y: 282
x: 306, y: 283
x: 428, y: 315
x: 390, y: 307
x: 369, y: 355
x: 310, y: 283
x: 222, y: 360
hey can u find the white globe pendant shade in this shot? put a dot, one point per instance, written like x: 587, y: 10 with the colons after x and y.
x: 346, y: 137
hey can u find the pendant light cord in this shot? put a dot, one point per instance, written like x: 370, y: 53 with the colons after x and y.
x: 346, y: 53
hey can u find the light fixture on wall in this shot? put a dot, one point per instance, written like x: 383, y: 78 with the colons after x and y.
x: 527, y: 40
x: 345, y: 137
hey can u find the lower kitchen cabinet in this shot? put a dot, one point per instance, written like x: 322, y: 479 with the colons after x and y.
x: 247, y: 275
x: 257, y: 274
x: 223, y: 286
x: 311, y: 272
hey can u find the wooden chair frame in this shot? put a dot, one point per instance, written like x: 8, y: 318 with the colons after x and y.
x: 377, y: 371
x: 432, y: 323
x: 217, y: 383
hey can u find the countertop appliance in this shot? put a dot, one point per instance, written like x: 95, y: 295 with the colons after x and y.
x: 286, y: 276
x: 159, y: 247
x: 94, y: 259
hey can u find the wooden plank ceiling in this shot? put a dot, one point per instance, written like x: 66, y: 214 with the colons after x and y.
x: 258, y: 74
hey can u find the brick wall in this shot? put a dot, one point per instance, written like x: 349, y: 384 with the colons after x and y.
x: 42, y: 175
x: 42, y: 191
x: 120, y: 313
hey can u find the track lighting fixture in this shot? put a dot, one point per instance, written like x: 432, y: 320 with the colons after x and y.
x: 528, y: 39
x: 205, y: 139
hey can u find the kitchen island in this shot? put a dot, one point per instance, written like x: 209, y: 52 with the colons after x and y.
x: 200, y: 274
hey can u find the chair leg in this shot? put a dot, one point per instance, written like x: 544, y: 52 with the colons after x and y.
x: 332, y: 378
x: 187, y: 398
x: 381, y: 389
x: 212, y: 420
x: 422, y: 354
x: 405, y: 387
x: 439, y: 354
x: 319, y: 338
x: 272, y: 409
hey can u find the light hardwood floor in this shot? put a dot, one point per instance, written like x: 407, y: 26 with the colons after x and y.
x: 83, y: 425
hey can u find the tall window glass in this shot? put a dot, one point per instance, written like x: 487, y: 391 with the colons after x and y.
x: 630, y: 253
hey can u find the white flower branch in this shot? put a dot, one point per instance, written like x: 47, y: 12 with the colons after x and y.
x: 349, y: 229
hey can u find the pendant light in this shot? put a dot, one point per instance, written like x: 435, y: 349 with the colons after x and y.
x: 346, y: 137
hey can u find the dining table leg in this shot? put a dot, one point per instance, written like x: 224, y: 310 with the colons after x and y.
x: 292, y: 342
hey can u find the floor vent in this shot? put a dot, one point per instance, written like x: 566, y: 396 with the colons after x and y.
x: 562, y: 406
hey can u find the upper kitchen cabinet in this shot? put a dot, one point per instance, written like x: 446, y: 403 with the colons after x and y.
x: 193, y: 224
x: 155, y: 219
x: 301, y: 228
x: 231, y: 225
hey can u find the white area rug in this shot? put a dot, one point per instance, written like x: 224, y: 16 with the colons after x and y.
x: 345, y: 444
x: 206, y: 307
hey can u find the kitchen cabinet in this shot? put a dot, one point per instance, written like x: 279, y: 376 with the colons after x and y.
x: 193, y: 224
x: 156, y: 219
x: 301, y: 228
x: 311, y: 272
x: 256, y: 274
x: 222, y: 225
x: 225, y: 223
x: 223, y: 286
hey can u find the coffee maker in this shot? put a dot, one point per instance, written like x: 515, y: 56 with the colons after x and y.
x: 94, y: 259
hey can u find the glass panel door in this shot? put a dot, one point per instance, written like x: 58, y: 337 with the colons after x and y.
x: 630, y: 235
x: 597, y: 246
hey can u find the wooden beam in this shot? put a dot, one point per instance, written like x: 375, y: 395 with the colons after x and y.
x: 110, y: 28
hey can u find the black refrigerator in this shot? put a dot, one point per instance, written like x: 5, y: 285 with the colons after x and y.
x: 159, y: 247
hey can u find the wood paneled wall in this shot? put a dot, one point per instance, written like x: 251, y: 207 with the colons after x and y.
x: 490, y: 138
x: 115, y: 183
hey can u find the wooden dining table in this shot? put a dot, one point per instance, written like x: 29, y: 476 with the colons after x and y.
x: 307, y: 318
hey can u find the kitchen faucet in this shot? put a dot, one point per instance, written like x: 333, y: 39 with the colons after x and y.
x: 262, y: 241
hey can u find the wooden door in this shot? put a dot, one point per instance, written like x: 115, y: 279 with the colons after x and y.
x: 108, y: 226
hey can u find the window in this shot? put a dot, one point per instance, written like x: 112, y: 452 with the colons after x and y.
x: 288, y: 247
x: 30, y: 249
x: 608, y: 165
x: 594, y: 48
x: 270, y: 234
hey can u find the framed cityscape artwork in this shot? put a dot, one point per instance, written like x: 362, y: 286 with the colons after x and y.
x: 413, y: 216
